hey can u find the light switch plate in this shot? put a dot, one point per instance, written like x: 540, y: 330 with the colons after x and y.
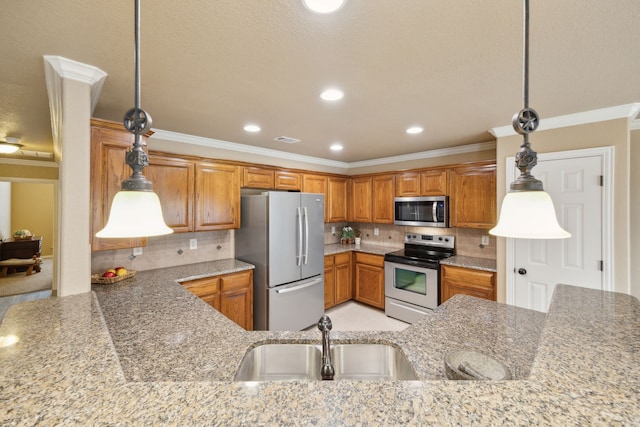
x: 137, y: 251
x: 193, y: 244
x: 485, y: 240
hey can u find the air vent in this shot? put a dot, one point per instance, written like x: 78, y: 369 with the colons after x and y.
x: 286, y: 139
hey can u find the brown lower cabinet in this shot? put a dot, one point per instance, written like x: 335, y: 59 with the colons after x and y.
x: 230, y: 294
x: 459, y: 280
x: 369, y: 279
x: 337, y: 279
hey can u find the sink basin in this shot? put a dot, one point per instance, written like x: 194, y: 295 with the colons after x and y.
x: 370, y: 362
x: 281, y: 362
x: 302, y: 362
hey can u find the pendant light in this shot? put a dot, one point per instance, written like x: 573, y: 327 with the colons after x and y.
x: 527, y: 210
x: 135, y: 210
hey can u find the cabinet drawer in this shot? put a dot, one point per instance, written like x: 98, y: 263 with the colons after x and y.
x: 362, y: 258
x: 343, y: 258
x: 202, y: 287
x: 479, y: 278
x: 328, y: 261
x: 236, y: 281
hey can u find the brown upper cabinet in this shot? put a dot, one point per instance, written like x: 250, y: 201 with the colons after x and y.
x: 472, y: 201
x: 360, y: 206
x: 270, y: 179
x: 336, y: 199
x: 110, y: 142
x: 431, y: 182
x: 173, y: 181
x: 382, y: 200
x: 217, y: 200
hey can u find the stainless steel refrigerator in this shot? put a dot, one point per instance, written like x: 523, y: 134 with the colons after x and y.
x: 282, y: 234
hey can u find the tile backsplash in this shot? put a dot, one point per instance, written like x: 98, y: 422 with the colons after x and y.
x: 169, y: 251
x: 468, y: 241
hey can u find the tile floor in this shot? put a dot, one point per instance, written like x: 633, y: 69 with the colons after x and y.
x: 354, y: 316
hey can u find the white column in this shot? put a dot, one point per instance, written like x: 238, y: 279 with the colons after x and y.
x: 73, y: 90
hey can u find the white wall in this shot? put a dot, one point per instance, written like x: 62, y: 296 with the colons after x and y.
x: 5, y: 210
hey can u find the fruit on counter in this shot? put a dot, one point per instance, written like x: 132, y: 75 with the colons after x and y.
x: 109, y: 274
x: 121, y: 271
x: 111, y: 270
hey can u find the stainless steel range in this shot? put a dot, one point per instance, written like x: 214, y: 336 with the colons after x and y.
x: 412, y: 275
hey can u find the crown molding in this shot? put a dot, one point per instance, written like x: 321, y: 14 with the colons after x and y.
x: 37, y: 163
x: 628, y: 111
x: 242, y: 148
x: 56, y: 70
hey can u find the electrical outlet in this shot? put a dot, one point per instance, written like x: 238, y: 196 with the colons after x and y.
x: 376, y: 231
x: 193, y: 244
x: 485, y: 240
x: 333, y: 230
x: 137, y: 251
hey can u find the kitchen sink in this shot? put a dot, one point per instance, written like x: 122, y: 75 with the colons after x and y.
x: 302, y: 362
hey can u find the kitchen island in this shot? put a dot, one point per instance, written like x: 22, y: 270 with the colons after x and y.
x: 146, y: 351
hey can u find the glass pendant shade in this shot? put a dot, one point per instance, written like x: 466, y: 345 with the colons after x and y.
x: 8, y: 147
x: 528, y: 215
x: 135, y: 214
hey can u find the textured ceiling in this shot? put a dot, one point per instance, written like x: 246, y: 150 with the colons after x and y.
x: 211, y: 66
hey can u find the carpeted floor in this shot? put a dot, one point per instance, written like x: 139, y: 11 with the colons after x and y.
x: 19, y: 283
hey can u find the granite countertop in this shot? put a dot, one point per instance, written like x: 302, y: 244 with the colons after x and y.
x: 471, y: 262
x: 146, y: 351
x: 336, y: 248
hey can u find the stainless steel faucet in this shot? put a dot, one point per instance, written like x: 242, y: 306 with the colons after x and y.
x: 325, y: 325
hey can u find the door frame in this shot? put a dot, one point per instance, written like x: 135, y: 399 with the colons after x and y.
x: 606, y: 158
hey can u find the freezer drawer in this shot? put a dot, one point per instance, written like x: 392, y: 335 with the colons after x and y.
x: 296, y: 306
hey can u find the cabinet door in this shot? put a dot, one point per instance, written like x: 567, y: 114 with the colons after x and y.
x: 316, y: 184
x: 286, y: 180
x: 407, y: 184
x: 254, y: 177
x: 109, y: 145
x: 473, y: 197
x: 369, y: 279
x: 382, y: 200
x: 336, y: 199
x: 434, y: 182
x: 360, y: 199
x: 173, y: 182
x: 217, y: 196
x: 343, y: 279
x: 458, y: 280
x: 236, y: 298
x: 207, y: 289
x: 329, y: 282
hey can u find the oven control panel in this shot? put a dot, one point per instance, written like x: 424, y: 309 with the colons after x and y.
x: 430, y: 240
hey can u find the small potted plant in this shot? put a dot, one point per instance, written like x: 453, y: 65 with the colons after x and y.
x: 347, y: 235
x: 357, y: 235
x: 22, y: 234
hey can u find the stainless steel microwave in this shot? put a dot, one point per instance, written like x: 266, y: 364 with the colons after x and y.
x: 422, y: 211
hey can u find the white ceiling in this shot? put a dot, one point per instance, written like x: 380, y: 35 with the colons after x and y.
x: 211, y: 66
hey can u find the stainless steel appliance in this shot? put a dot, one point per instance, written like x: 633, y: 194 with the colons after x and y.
x: 282, y: 234
x: 412, y: 275
x: 422, y: 211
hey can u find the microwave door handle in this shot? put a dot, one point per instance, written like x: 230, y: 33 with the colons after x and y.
x: 435, y: 211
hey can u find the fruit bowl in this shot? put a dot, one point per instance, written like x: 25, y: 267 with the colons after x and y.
x: 98, y: 279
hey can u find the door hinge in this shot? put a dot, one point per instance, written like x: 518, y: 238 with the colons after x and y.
x: 601, y: 265
x: 601, y: 180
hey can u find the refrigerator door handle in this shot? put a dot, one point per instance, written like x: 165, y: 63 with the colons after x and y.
x: 306, y: 235
x: 299, y: 256
x: 297, y: 288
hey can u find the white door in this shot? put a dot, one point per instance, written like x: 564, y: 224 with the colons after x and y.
x: 575, y: 186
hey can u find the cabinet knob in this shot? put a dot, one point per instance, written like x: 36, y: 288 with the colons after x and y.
x: 522, y: 271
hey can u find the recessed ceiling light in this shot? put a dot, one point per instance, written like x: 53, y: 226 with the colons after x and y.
x: 332, y: 94
x: 323, y: 6
x: 336, y: 147
x: 252, y: 128
x: 414, y: 129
